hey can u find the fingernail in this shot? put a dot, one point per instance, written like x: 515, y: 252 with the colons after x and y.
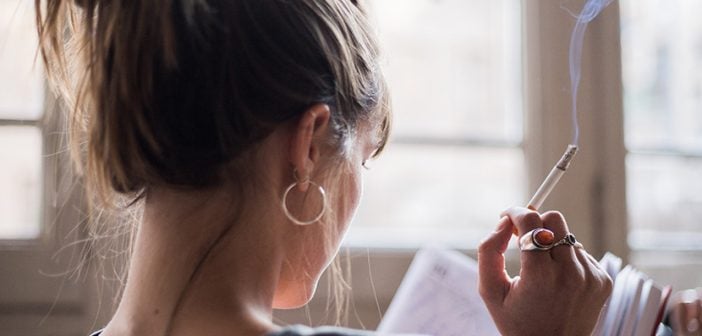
x: 693, y: 325
x: 689, y: 296
x: 504, y: 213
x: 502, y: 226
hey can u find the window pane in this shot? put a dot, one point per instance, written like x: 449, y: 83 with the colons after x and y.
x: 21, y: 84
x: 20, y: 178
x: 453, y: 67
x: 418, y: 194
x: 454, y: 71
x: 664, y: 201
x: 662, y: 59
x: 661, y: 62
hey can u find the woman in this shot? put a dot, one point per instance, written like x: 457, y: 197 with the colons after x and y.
x: 241, y: 128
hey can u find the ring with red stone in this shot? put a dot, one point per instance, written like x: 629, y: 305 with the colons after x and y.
x: 537, y: 240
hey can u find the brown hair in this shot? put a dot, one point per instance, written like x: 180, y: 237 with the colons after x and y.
x: 167, y: 92
x: 171, y: 92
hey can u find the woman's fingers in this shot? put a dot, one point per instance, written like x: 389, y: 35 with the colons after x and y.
x: 686, y: 313
x: 693, y: 316
x: 555, y: 222
x: 598, y: 280
x: 560, y: 290
x: 526, y: 220
x: 493, y: 282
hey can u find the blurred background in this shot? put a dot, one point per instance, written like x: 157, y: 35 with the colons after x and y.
x: 482, y: 112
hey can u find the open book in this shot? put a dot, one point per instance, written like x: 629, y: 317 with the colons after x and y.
x: 439, y: 297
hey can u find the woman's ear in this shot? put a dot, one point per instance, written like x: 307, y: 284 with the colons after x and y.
x: 308, y: 135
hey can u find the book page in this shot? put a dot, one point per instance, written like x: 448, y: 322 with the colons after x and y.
x: 612, y: 265
x: 648, y: 309
x: 634, y: 289
x: 439, y: 297
x: 617, y: 303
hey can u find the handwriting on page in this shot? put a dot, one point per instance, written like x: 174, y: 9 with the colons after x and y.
x: 439, y: 297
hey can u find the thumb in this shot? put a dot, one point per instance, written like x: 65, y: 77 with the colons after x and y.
x: 493, y: 281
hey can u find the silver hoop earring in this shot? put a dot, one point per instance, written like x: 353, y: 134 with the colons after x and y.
x: 285, y: 204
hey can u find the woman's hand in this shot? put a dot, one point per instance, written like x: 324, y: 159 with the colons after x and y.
x: 558, y: 292
x: 686, y: 312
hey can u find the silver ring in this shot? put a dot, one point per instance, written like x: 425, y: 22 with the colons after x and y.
x: 569, y: 239
x: 530, y: 241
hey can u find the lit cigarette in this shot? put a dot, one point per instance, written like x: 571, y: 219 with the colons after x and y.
x: 552, y: 179
x: 550, y: 182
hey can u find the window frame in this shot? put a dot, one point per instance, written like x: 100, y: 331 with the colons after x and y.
x: 679, y: 266
x: 598, y: 217
x: 50, y: 289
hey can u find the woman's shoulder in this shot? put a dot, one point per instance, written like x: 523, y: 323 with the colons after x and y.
x: 298, y: 330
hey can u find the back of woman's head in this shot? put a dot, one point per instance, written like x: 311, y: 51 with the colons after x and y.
x: 169, y: 92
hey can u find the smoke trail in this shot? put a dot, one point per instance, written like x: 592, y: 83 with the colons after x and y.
x: 591, y: 9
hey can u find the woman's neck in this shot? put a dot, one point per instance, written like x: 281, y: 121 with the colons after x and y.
x: 194, y: 271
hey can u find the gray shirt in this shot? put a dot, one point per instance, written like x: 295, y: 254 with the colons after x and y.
x: 299, y: 330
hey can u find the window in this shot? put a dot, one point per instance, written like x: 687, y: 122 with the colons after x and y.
x: 662, y: 75
x: 482, y: 100
x: 454, y: 71
x: 21, y: 108
x: 37, y: 237
x: 663, y: 104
